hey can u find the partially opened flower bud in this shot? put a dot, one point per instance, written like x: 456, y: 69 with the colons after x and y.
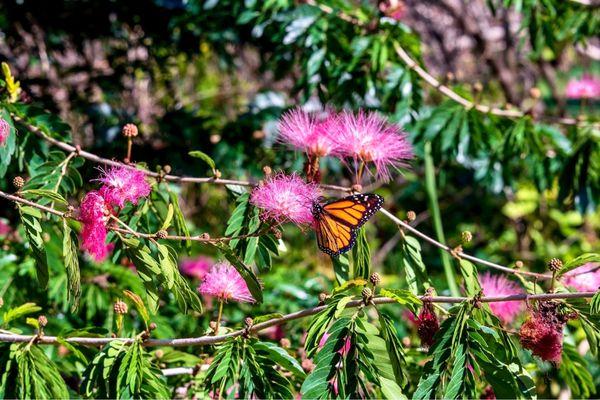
x: 120, y: 307
x: 42, y: 321
x: 18, y: 182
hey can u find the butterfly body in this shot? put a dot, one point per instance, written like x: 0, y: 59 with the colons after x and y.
x: 337, y: 222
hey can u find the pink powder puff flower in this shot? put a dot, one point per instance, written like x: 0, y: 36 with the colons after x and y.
x: 286, y: 198
x: 367, y: 137
x: 588, y: 87
x: 195, y: 267
x: 498, y: 285
x: 93, y: 214
x: 122, y: 184
x: 224, y: 282
x: 307, y: 132
x: 4, y: 131
x: 584, y: 279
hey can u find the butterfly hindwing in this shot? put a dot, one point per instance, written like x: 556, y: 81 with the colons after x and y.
x: 338, y: 221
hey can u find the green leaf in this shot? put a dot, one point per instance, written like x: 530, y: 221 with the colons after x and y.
x: 412, y: 264
x: 146, y: 267
x: 167, y: 222
x: 204, y: 157
x: 403, y: 297
x: 579, y: 261
x: 139, y: 305
x: 341, y: 268
x: 245, y: 271
x: 17, y: 312
x: 71, y: 261
x: 38, y: 376
x: 469, y: 273
x: 361, y: 256
x: 595, y: 304
x: 30, y: 217
x: 281, y: 357
x: 48, y: 194
x: 357, y: 282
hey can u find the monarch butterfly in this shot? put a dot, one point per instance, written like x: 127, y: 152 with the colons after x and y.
x: 338, y: 221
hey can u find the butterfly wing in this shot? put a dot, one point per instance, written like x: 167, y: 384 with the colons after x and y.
x: 338, y: 221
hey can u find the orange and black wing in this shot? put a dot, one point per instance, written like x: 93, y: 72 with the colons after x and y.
x: 337, y: 221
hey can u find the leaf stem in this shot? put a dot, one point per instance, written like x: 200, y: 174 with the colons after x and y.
x: 216, y: 331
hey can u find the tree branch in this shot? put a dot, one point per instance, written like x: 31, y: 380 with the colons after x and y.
x: 210, y: 339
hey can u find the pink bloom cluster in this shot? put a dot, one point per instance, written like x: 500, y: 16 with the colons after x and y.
x: 225, y: 283
x: 308, y: 133
x: 499, y: 285
x: 368, y: 137
x: 286, y: 198
x: 196, y: 267
x: 4, y: 131
x: 584, y: 279
x: 588, y: 87
x: 119, y: 185
x: 122, y: 184
x: 363, y: 137
x: 93, y: 212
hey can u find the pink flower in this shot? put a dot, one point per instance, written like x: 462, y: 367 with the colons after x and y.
x: 92, y: 213
x: 307, y: 132
x: 286, y: 198
x: 367, y: 137
x: 122, y: 184
x: 542, y: 333
x: 588, y: 87
x: 498, y: 285
x: 4, y: 228
x: 427, y: 324
x: 224, y: 282
x: 584, y: 279
x: 4, y: 131
x: 196, y: 267
x: 395, y: 9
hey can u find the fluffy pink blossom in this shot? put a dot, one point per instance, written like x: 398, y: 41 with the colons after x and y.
x: 4, y: 131
x: 92, y: 213
x: 307, y: 132
x: 368, y: 137
x: 196, y: 267
x: 584, y: 279
x: 224, y: 282
x: 395, y: 9
x: 286, y: 198
x: 588, y: 87
x: 499, y: 285
x: 122, y: 184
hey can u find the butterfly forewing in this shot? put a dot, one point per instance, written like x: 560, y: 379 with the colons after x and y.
x: 337, y: 221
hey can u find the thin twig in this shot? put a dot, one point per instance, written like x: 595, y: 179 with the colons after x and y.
x: 460, y: 254
x: 445, y: 90
x: 210, y: 339
x: 167, y: 177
